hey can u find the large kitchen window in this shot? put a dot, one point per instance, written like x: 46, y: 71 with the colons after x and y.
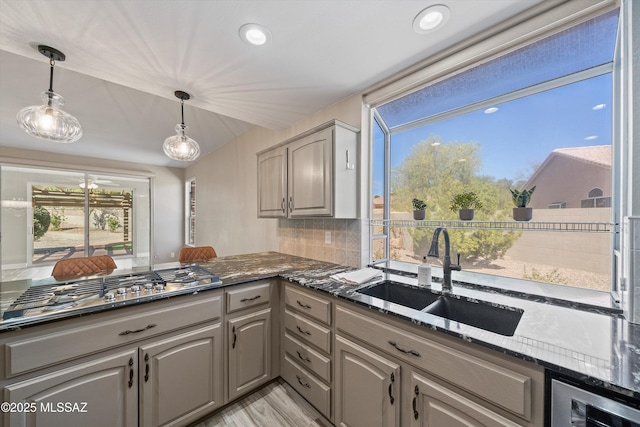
x: 539, y: 116
x: 49, y: 215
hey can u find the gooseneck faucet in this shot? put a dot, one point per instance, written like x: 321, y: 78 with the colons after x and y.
x: 447, y: 267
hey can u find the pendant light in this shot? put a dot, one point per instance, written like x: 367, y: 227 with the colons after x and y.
x: 180, y: 146
x: 48, y: 121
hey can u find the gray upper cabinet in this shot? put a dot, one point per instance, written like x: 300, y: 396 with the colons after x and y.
x: 311, y: 175
x: 272, y: 183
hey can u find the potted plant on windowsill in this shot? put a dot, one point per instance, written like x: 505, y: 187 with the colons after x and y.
x: 520, y: 200
x: 419, y: 207
x: 465, y: 203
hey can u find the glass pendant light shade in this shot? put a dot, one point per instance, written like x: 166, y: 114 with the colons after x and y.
x: 180, y: 146
x: 48, y: 121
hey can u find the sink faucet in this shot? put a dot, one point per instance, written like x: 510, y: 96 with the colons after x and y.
x: 447, y: 267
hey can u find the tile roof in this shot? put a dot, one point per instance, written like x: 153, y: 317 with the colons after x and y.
x: 598, y: 154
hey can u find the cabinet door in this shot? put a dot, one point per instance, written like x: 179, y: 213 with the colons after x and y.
x: 272, y: 183
x: 310, y: 183
x: 249, y: 343
x: 181, y: 377
x: 366, y: 387
x: 435, y: 405
x: 103, y: 392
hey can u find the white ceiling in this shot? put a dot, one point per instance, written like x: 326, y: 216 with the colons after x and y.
x: 125, y: 59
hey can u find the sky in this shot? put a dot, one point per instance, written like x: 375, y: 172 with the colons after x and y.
x: 521, y: 133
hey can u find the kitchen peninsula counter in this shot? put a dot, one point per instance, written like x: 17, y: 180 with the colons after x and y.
x: 598, y: 348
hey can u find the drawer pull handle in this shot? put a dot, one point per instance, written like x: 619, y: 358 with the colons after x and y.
x: 302, y: 331
x: 307, y: 306
x: 290, y: 203
x: 131, y: 372
x: 282, y: 206
x: 302, y: 383
x: 146, y: 367
x: 411, y: 352
x: 250, y: 299
x: 305, y: 358
x: 415, y: 403
x: 233, y: 345
x: 137, y: 331
x: 393, y: 378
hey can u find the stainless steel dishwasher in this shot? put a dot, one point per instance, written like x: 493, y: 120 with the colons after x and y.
x: 576, y: 406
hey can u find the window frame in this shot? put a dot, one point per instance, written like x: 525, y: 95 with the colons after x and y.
x: 491, y: 48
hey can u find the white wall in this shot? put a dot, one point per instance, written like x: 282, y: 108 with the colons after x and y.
x: 226, y: 185
x: 168, y: 199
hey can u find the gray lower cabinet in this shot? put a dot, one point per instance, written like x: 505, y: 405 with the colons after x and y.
x: 389, y: 373
x: 307, y: 346
x: 367, y: 387
x: 102, y: 393
x: 157, y: 364
x: 249, y: 344
x: 181, y: 377
x: 434, y: 404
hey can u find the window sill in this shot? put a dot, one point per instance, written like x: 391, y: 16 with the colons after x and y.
x: 568, y: 296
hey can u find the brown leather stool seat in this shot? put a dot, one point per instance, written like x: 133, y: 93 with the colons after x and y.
x: 196, y: 254
x: 86, y: 266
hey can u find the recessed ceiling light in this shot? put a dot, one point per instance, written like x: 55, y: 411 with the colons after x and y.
x: 430, y: 19
x: 599, y: 107
x: 491, y: 110
x: 255, y: 34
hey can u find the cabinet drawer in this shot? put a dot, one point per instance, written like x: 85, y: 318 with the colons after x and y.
x: 506, y: 388
x: 308, y: 330
x: 249, y: 296
x: 104, y: 330
x: 310, y: 305
x: 317, y: 393
x: 308, y: 357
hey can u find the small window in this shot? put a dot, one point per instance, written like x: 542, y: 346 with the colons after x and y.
x: 596, y: 192
x: 558, y: 205
x: 190, y: 212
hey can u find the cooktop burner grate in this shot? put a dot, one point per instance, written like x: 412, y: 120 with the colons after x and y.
x: 38, y: 300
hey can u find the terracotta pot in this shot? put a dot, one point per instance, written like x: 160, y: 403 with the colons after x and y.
x: 522, y: 214
x: 418, y: 214
x: 466, y: 214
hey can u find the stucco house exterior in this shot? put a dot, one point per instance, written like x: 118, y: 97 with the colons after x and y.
x: 578, y: 177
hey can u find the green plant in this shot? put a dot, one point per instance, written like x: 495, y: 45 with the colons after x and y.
x: 468, y: 200
x: 521, y: 198
x: 113, y: 222
x: 41, y: 221
x: 57, y: 218
x: 418, y: 205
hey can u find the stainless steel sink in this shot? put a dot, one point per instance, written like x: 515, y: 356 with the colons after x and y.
x: 399, y: 293
x: 480, y: 314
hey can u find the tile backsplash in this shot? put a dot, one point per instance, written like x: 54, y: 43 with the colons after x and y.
x: 331, y: 240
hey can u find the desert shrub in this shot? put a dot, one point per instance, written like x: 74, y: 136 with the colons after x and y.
x: 41, y: 222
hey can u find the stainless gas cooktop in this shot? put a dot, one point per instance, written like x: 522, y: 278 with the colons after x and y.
x: 109, y: 291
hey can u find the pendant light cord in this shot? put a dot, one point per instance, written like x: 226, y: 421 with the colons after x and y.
x: 52, y: 63
x: 182, y: 109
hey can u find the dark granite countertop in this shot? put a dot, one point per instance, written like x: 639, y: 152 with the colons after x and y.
x: 599, y: 348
